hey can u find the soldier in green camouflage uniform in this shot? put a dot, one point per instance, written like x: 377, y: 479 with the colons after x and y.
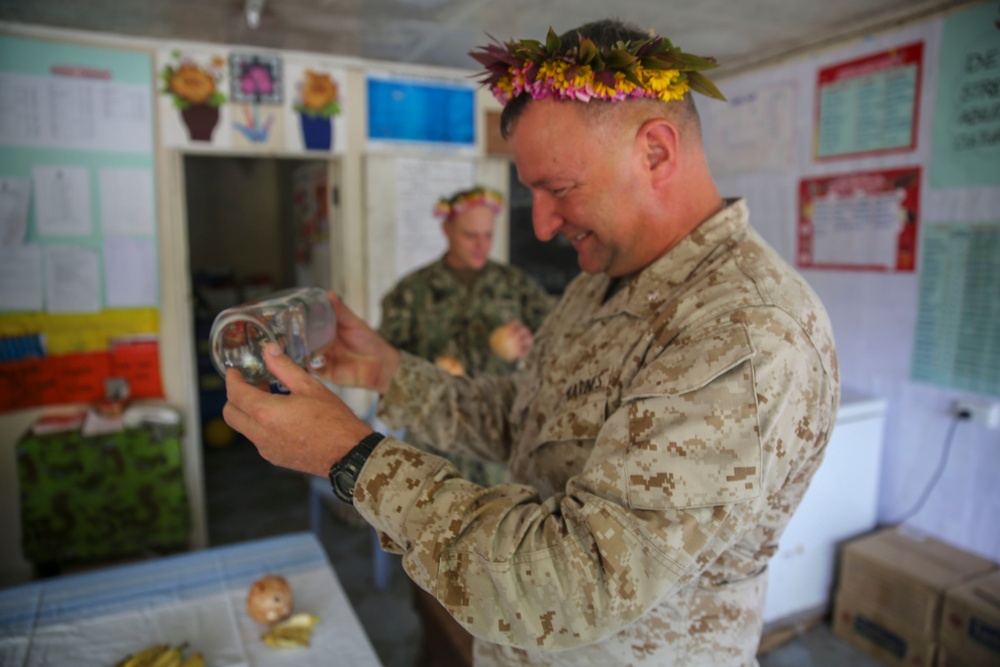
x: 450, y: 307
x: 432, y: 313
x: 662, y: 431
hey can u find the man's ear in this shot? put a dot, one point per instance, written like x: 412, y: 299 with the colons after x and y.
x: 659, y: 145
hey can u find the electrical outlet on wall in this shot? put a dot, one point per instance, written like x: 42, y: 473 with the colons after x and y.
x: 980, y: 411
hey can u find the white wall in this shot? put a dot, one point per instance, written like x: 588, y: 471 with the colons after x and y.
x: 874, y: 314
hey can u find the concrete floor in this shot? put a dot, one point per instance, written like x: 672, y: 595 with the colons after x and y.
x: 247, y: 498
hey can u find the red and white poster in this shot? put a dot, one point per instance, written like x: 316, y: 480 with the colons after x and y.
x: 861, y: 221
x: 868, y: 105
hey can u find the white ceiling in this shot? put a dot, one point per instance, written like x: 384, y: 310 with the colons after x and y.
x: 739, y: 33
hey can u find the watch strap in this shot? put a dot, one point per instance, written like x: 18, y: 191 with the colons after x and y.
x: 344, y: 473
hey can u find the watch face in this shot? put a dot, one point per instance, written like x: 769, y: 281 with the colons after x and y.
x: 343, y: 485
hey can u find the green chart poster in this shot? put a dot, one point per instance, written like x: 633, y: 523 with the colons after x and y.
x: 967, y: 111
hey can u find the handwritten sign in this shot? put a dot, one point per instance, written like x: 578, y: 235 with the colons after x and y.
x: 967, y: 111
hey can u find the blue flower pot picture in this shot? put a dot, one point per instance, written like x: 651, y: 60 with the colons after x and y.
x: 317, y: 105
x: 317, y: 132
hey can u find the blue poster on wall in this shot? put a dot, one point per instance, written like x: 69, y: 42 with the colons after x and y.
x: 419, y: 110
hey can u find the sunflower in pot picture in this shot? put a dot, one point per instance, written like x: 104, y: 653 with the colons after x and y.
x: 195, y: 92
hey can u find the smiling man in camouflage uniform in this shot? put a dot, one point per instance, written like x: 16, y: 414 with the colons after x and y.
x: 665, y: 425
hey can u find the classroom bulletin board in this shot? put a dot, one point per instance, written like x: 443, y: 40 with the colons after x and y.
x: 79, y: 292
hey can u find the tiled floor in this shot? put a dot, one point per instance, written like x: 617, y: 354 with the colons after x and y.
x: 247, y: 498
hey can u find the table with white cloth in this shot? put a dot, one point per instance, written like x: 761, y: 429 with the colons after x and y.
x: 199, y: 598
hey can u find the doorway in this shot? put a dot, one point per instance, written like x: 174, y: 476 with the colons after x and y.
x: 243, y: 231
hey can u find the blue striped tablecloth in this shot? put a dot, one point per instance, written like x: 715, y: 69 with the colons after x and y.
x: 198, y: 598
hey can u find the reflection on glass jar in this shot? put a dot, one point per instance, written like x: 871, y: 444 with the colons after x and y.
x: 300, y: 320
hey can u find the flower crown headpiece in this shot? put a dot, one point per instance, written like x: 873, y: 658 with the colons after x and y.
x: 463, y: 201
x: 652, y: 68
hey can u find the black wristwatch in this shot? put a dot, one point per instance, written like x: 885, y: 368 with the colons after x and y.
x: 344, y: 473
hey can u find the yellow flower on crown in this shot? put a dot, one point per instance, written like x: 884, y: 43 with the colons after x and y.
x: 448, y: 208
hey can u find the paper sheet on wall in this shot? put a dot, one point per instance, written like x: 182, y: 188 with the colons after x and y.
x: 75, y: 112
x: 129, y: 272
x: 869, y: 104
x: 127, y: 201
x: 72, y: 279
x: 967, y: 104
x: 753, y: 132
x: 21, y: 278
x: 419, y: 185
x: 958, y: 322
x: 860, y: 221
x: 15, y: 193
x: 62, y: 201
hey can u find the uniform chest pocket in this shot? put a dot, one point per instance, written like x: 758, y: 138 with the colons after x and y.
x: 694, y: 435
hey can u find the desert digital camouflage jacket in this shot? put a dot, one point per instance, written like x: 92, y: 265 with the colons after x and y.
x: 658, y: 443
x: 430, y: 313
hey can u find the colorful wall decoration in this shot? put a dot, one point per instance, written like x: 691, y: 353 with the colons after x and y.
x: 256, y: 102
x: 79, y: 278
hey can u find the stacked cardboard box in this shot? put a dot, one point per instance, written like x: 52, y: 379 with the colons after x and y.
x: 891, y: 590
x: 970, y: 624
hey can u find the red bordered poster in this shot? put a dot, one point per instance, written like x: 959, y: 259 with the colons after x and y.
x: 869, y: 105
x: 862, y: 221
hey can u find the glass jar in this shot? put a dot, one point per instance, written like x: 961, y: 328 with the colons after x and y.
x: 300, y: 320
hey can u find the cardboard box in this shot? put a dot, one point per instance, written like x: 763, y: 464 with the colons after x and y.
x: 881, y: 637
x: 901, y: 575
x: 970, y: 622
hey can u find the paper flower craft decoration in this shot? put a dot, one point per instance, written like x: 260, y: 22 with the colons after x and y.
x: 189, y: 83
x: 318, y: 102
x: 319, y: 95
x: 195, y: 93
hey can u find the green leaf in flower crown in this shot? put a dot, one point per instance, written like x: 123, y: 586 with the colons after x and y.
x: 701, y: 84
x: 693, y: 62
x: 552, y: 42
x: 654, y: 62
x: 650, y: 47
x: 619, y: 59
x: 588, y: 51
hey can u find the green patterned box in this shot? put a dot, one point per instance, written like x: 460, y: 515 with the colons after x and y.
x: 103, y: 496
